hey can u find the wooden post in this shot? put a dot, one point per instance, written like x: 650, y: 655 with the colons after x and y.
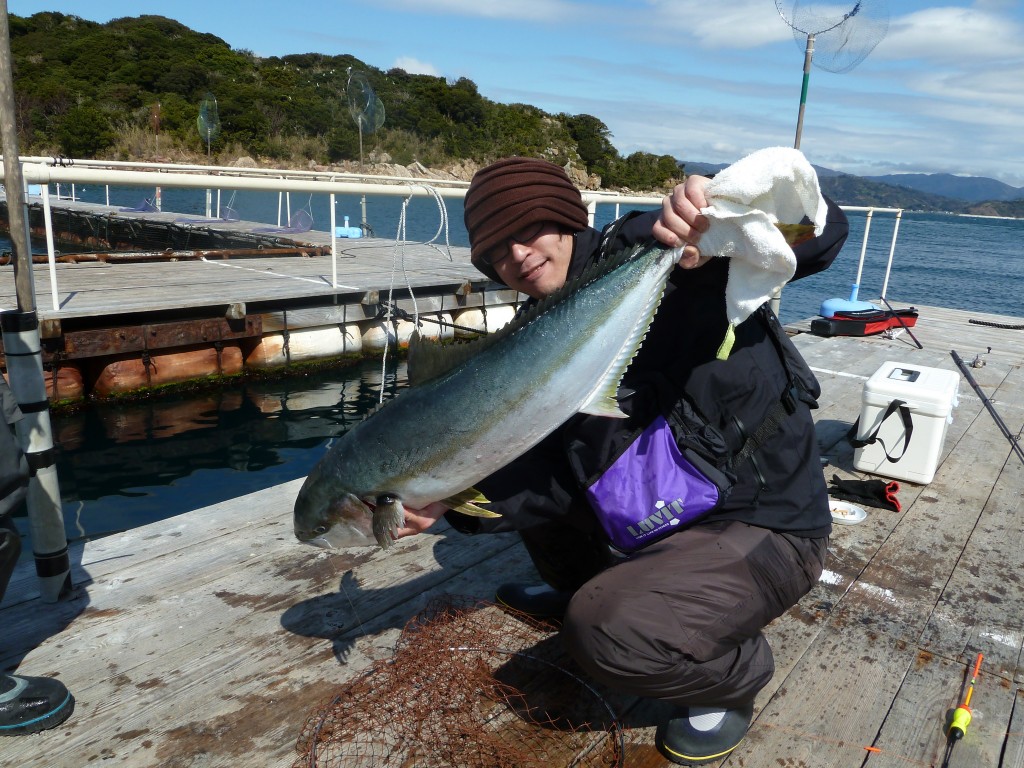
x: 24, y: 358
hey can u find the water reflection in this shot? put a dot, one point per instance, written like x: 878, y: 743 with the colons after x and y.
x: 122, y: 466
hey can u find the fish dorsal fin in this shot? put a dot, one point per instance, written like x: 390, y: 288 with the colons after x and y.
x: 604, y: 399
x: 429, y: 358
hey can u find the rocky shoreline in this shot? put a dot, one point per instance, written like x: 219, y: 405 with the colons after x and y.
x: 381, y: 164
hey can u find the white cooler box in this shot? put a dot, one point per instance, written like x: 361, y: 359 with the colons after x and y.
x: 928, y: 396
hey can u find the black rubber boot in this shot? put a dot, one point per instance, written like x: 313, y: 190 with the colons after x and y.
x: 539, y: 602
x: 32, y: 704
x: 699, y: 735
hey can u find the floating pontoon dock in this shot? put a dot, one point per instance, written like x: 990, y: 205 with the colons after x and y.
x: 229, y: 295
x: 210, y: 638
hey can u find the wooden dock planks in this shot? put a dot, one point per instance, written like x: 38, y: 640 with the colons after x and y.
x: 208, y: 639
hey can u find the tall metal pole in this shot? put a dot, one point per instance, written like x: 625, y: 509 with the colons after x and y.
x: 24, y: 358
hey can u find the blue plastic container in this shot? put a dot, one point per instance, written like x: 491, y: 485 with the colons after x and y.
x: 347, y: 231
x: 829, y: 307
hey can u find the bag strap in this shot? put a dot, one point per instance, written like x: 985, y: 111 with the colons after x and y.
x: 908, y: 430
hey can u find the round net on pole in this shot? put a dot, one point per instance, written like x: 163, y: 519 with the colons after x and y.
x: 208, y: 121
x: 844, y: 33
x: 364, y: 105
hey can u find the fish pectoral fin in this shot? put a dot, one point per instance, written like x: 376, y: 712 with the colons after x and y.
x: 388, y: 517
x: 468, y: 503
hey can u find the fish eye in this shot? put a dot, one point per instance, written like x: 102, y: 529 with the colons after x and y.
x: 320, y: 530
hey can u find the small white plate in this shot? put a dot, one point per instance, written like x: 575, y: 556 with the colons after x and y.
x: 845, y: 513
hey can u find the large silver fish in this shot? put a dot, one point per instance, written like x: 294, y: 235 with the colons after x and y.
x: 472, y: 408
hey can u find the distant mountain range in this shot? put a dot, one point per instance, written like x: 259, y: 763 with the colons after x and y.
x: 913, y: 191
x: 973, y: 189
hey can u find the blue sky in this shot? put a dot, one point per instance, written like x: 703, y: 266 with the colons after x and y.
x: 707, y: 81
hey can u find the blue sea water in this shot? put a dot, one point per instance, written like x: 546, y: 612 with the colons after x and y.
x: 127, y: 465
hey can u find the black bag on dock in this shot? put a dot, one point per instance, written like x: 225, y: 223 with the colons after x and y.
x: 864, y: 322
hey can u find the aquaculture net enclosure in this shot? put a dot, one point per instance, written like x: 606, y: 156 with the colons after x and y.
x: 468, y: 685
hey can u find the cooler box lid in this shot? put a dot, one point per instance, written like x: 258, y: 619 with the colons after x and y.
x: 928, y: 391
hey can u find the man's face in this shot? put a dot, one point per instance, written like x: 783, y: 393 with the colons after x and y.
x: 535, y: 260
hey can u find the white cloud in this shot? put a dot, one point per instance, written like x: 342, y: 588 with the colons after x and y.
x: 953, y: 36
x: 738, y: 24
x: 975, y: 91
x: 415, y: 66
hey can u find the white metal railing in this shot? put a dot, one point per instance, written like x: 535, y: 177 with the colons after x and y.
x: 46, y: 171
x: 864, y: 243
x: 329, y: 184
x: 230, y: 170
x: 590, y: 198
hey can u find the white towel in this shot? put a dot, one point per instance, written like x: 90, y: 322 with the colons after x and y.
x: 745, y: 201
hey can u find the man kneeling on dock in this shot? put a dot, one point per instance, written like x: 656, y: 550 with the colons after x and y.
x: 680, y: 618
x: 27, y: 704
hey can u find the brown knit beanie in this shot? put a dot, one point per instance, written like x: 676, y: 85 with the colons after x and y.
x: 514, y: 193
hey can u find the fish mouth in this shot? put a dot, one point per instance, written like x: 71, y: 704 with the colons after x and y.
x: 320, y: 542
x: 343, y: 535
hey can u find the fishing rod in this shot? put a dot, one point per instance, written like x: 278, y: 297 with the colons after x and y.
x: 905, y: 326
x: 988, y: 404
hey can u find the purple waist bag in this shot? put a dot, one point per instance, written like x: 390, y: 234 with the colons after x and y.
x: 653, y: 489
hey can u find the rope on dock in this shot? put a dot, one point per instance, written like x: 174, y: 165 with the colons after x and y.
x: 989, y: 324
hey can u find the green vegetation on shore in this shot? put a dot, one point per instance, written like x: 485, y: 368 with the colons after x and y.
x: 131, y: 89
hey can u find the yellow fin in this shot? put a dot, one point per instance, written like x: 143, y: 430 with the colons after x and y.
x: 605, y: 405
x: 467, y: 502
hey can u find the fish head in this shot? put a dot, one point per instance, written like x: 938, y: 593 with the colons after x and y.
x: 331, y: 519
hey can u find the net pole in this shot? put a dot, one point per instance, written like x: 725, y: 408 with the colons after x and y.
x: 808, y: 55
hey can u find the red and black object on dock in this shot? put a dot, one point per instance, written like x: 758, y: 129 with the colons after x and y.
x: 863, y: 322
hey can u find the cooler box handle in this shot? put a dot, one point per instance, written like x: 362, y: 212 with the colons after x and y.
x: 908, y: 430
